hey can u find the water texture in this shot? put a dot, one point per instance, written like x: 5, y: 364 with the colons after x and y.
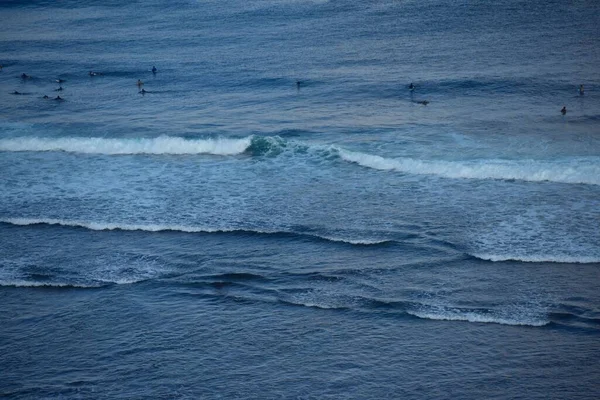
x: 277, y: 215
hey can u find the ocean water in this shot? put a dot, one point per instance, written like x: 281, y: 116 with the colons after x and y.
x: 280, y: 217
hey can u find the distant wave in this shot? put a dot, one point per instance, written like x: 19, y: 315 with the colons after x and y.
x: 539, y: 258
x: 106, y: 226
x: 158, y: 145
x: 584, y: 171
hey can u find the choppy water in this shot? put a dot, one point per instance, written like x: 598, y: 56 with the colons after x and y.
x: 234, y: 234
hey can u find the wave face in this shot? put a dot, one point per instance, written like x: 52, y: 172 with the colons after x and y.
x: 585, y: 170
x: 159, y: 145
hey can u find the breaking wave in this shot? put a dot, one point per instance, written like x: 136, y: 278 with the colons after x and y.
x: 158, y: 145
x: 450, y: 314
x: 585, y: 170
x: 569, y: 259
x: 581, y: 170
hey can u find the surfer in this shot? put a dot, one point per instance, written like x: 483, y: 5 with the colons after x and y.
x: 424, y: 102
x: 25, y: 76
x: 563, y: 111
x: 411, y: 86
x: 298, y: 83
x: 59, y: 80
x: 58, y: 98
x: 143, y: 91
x: 45, y: 97
x: 154, y: 69
x: 60, y: 88
x: 92, y: 73
x: 581, y: 90
x: 15, y: 92
x: 140, y: 83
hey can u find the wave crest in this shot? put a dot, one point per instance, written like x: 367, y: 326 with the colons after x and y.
x: 583, y: 170
x: 158, y: 145
x: 108, y: 226
x: 438, y: 313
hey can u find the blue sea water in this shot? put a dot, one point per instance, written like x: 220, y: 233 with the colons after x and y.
x: 279, y: 217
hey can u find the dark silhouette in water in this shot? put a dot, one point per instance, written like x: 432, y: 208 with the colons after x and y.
x: 92, y: 73
x: 298, y: 83
x: 25, y: 76
x: 15, y: 92
x: 563, y: 111
x: 59, y: 80
x: 45, y: 97
x: 154, y: 69
x: 143, y: 91
x: 411, y: 86
x: 140, y: 83
x: 59, y: 89
x: 581, y: 90
x: 424, y: 102
x: 58, y: 98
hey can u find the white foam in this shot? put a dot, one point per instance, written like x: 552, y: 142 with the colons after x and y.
x: 470, y: 316
x: 106, y: 226
x: 363, y: 242
x: 159, y: 145
x: 584, y: 170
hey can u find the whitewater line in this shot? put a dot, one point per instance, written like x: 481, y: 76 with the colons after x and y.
x: 561, y: 259
x: 475, y: 317
x: 105, y: 226
x: 580, y: 171
x: 113, y: 146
